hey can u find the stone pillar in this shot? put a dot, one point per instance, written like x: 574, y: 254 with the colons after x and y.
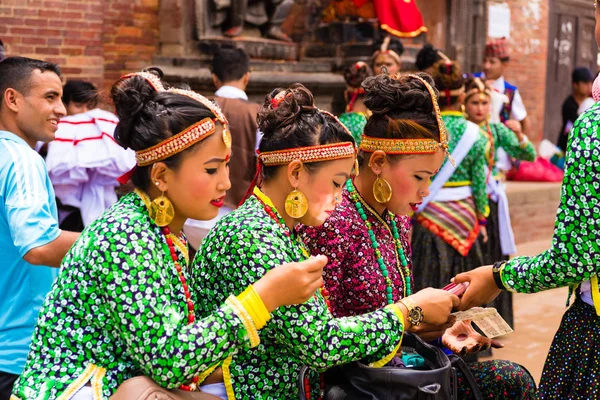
x: 177, y: 27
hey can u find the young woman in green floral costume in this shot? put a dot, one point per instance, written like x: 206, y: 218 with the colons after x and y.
x: 500, y: 243
x: 306, y: 156
x: 454, y: 214
x: 121, y: 306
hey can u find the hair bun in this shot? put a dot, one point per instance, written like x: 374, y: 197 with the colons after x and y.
x: 447, y: 75
x: 132, y: 97
x: 282, y: 107
x: 396, y: 94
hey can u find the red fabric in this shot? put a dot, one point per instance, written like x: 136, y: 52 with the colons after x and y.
x: 496, y: 48
x: 400, y: 18
x: 540, y: 170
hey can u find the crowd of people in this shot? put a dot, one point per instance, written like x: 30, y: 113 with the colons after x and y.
x: 248, y: 240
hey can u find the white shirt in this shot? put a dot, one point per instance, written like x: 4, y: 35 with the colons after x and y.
x: 518, y: 110
x: 230, y: 92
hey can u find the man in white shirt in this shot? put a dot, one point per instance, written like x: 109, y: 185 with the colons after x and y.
x: 496, y: 59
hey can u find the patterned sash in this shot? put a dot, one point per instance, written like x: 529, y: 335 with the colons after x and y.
x: 453, y: 221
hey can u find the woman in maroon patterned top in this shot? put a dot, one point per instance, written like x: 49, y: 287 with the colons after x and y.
x: 366, y: 237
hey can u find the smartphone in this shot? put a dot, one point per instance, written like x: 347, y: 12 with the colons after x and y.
x: 456, y: 288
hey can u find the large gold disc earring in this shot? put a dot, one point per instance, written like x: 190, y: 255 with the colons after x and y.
x: 382, y: 191
x: 162, y: 211
x: 296, y: 204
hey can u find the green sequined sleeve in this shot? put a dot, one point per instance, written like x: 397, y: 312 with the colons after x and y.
x: 236, y: 256
x: 478, y: 172
x: 507, y: 139
x: 145, y: 306
x: 575, y: 253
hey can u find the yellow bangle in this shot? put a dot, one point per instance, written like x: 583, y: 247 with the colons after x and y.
x: 255, y: 307
x: 243, y: 315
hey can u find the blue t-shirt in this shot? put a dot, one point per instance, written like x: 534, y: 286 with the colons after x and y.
x: 28, y: 219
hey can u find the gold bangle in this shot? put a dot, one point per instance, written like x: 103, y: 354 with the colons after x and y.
x: 252, y: 302
x: 241, y: 312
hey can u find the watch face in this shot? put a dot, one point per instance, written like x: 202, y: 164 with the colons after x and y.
x: 415, y: 315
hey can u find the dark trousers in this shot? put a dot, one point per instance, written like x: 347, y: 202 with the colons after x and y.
x: 6, y: 384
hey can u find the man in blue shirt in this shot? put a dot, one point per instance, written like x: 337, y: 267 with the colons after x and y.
x: 30, y: 241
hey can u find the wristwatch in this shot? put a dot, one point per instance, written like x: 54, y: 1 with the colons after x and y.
x: 415, y: 313
x: 497, y: 272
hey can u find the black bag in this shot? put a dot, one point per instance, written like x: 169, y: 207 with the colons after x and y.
x: 436, y: 380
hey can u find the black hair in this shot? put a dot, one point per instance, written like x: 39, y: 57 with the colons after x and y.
x: 402, y: 108
x: 394, y: 44
x: 288, y: 119
x: 80, y: 92
x: 426, y: 57
x: 15, y: 73
x: 448, y: 76
x: 230, y: 64
x: 355, y: 74
x: 147, y: 117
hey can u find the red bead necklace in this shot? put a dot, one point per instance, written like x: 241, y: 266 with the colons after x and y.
x: 188, y: 298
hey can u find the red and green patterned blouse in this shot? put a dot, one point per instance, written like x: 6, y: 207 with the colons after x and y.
x: 352, y: 275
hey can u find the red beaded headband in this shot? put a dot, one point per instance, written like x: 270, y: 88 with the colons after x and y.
x: 326, y: 152
x: 175, y: 144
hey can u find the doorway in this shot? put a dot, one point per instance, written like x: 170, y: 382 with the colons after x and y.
x: 571, y: 44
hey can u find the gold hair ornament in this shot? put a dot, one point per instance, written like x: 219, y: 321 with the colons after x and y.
x: 412, y: 146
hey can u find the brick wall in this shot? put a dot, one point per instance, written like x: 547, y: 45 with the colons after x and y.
x: 529, y: 51
x: 95, y: 40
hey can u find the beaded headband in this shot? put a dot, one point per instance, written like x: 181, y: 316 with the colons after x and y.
x: 204, y: 101
x: 412, y: 146
x: 175, y: 144
x: 309, y: 154
x: 151, y: 79
x: 326, y: 152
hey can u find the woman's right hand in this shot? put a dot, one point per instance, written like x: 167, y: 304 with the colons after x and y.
x: 437, y: 304
x: 291, y: 283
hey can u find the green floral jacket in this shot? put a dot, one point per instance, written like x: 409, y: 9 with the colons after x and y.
x: 118, y: 310
x: 472, y: 170
x: 239, y: 250
x: 575, y: 253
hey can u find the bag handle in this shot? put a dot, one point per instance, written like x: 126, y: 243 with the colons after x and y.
x: 459, y: 364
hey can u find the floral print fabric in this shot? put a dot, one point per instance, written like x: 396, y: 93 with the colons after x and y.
x: 575, y: 253
x: 118, y: 310
x: 241, y: 248
x: 352, y: 275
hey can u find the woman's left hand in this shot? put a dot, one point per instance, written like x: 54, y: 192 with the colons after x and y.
x: 461, y: 338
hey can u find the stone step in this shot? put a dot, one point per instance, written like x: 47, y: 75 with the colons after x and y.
x: 533, y: 207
